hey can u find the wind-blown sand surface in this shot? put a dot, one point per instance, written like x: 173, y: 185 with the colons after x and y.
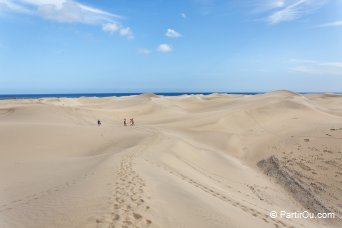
x: 190, y: 161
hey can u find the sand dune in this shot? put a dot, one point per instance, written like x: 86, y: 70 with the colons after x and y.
x: 191, y: 161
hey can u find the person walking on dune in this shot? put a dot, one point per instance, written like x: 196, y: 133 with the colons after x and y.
x: 98, y: 123
x: 125, y: 122
x: 132, y: 121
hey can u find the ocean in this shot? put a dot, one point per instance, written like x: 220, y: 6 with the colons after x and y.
x: 77, y: 95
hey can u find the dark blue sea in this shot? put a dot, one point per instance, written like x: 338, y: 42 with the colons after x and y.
x: 77, y: 95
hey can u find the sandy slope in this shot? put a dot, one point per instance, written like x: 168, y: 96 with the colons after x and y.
x: 190, y: 161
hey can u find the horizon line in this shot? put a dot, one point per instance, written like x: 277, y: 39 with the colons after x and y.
x: 170, y: 92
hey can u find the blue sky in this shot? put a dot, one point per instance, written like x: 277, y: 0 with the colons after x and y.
x: 65, y: 46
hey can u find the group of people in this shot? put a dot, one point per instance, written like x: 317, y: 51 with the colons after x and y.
x: 131, y: 122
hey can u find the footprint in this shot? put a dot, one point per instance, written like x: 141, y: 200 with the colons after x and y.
x: 116, y: 217
x: 127, y: 222
x: 137, y: 216
x: 99, y: 221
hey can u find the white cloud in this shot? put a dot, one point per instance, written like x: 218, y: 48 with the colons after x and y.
x: 110, y: 27
x: 144, y: 51
x: 127, y: 32
x: 330, y: 24
x: 316, y: 67
x: 183, y: 15
x: 172, y: 33
x: 117, y: 28
x: 164, y: 48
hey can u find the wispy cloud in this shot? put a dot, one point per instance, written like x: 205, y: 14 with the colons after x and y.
x: 316, y: 62
x: 164, y: 48
x: 261, y: 6
x: 278, y: 11
x: 316, y: 67
x: 73, y: 12
x: 13, y: 6
x: 67, y: 11
x: 330, y: 24
x: 303, y: 61
x: 332, y: 64
x: 172, y: 33
x: 305, y: 70
x: 295, y: 10
x: 183, y: 15
x: 59, y: 10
